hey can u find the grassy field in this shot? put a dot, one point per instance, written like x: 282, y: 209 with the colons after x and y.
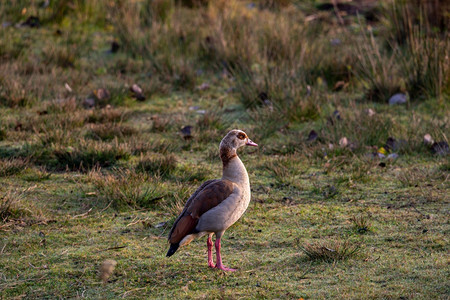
x: 348, y: 200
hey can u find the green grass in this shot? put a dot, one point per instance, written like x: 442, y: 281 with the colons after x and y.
x: 80, y: 187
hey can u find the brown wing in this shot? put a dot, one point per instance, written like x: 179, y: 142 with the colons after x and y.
x: 209, y: 197
x: 189, y: 201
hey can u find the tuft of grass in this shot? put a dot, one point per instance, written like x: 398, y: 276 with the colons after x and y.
x: 377, y: 70
x: 331, y: 250
x: 11, y: 206
x: 37, y: 175
x: 107, y: 132
x: 107, y: 115
x: 10, y: 167
x: 125, y: 189
x: 361, y: 224
x: 161, y: 165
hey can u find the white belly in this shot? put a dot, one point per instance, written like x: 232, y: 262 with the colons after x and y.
x: 226, y: 213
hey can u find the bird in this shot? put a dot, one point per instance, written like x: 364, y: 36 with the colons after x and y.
x: 216, y: 204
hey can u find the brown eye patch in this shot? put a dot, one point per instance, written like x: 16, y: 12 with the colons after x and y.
x: 241, y: 135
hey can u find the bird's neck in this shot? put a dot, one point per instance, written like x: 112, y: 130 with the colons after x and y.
x: 233, y: 168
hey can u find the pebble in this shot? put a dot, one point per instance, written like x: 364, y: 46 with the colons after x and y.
x: 398, y: 98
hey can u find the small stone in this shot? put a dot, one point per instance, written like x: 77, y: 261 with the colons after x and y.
x: 343, y: 142
x: 137, y: 92
x: 337, y: 115
x: 340, y: 85
x: 335, y: 42
x: 136, y: 89
x: 32, y: 22
x: 186, y: 132
x: 89, y: 103
x: 392, y: 156
x: 115, y: 47
x: 68, y: 88
x: 161, y: 224
x: 398, y: 98
x: 370, y: 112
x: 203, y: 86
x: 390, y: 144
x: 440, y: 148
x: 428, y: 140
x: 263, y: 96
x: 102, y: 94
x: 308, y: 90
x: 312, y: 136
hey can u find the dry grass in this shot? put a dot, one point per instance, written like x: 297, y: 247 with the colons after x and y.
x: 125, y: 189
x: 161, y: 165
x: 10, y: 167
x: 331, y: 251
x: 361, y: 224
x: 12, y: 207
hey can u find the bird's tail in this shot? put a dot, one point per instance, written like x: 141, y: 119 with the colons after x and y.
x: 173, y: 248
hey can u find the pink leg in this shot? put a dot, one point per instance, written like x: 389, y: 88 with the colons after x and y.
x: 219, y: 264
x: 209, y: 243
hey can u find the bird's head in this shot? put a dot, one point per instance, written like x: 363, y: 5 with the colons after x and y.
x: 236, y: 139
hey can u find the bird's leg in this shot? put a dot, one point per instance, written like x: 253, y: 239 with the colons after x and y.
x: 219, y: 264
x: 209, y: 243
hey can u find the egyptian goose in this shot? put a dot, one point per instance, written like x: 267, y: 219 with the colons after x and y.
x: 216, y: 204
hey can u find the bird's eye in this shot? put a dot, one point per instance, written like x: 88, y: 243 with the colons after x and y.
x: 241, y: 136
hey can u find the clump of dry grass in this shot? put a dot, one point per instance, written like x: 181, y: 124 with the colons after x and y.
x: 283, y: 169
x: 10, y: 167
x: 361, y: 224
x: 331, y: 250
x: 37, y: 175
x: 160, y: 165
x: 11, y: 206
x: 107, y: 115
x: 377, y: 70
x: 125, y: 188
x: 109, y: 131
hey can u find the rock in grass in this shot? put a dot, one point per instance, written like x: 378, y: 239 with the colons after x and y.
x: 392, y: 156
x: 204, y: 86
x: 97, y: 96
x: 312, y: 136
x: 340, y: 85
x: 115, y: 47
x: 337, y: 115
x: 428, y: 140
x: 370, y: 112
x: 102, y: 94
x: 89, y: 103
x: 343, y: 142
x: 137, y: 92
x: 398, y: 98
x: 32, y: 22
x: 393, y: 144
x: 107, y: 269
x: 186, y: 132
x: 440, y: 148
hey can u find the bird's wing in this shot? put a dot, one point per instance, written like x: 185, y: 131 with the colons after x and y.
x: 208, y: 196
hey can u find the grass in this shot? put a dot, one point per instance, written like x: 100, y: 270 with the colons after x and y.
x: 330, y: 251
x: 88, y: 194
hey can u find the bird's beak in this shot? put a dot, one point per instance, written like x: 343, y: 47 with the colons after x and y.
x: 251, y: 143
